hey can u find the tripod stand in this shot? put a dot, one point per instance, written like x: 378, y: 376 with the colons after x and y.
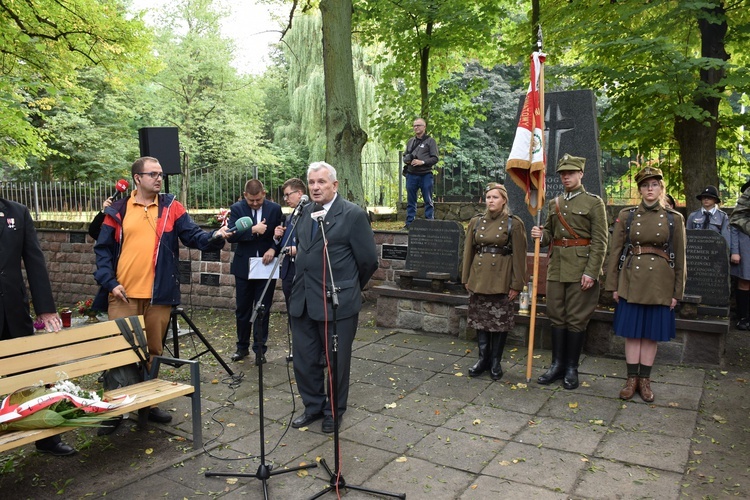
x: 179, y: 311
x: 337, y: 480
x: 264, y: 471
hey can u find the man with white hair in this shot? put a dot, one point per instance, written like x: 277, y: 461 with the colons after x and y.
x: 353, y: 259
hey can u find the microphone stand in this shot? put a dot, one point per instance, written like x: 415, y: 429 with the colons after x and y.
x: 337, y: 480
x: 264, y: 471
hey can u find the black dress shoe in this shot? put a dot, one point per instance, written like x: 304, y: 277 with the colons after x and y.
x: 262, y: 360
x: 328, y: 426
x: 159, y: 416
x: 109, y: 426
x: 239, y: 355
x: 305, y: 419
x: 58, y: 449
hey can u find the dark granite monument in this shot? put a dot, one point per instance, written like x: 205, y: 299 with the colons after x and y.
x: 707, y: 267
x: 435, y: 246
x: 570, y: 127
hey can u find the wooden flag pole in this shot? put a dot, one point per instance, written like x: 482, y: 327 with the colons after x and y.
x: 537, y: 241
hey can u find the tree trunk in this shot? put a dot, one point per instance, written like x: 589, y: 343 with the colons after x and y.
x: 424, y: 66
x: 697, y: 138
x: 344, y: 136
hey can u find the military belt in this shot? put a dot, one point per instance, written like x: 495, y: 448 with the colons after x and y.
x: 494, y: 249
x: 572, y: 242
x: 640, y: 250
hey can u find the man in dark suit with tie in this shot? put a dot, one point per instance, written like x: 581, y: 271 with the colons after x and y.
x: 353, y: 259
x: 255, y: 243
x: 18, y: 242
x: 286, y: 235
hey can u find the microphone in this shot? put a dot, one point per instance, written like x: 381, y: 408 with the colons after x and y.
x: 240, y: 226
x: 303, y: 200
x: 318, y: 212
x: 121, y: 186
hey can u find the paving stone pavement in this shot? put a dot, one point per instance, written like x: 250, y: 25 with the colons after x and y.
x: 418, y: 425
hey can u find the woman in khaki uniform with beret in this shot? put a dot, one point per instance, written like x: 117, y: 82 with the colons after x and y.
x: 494, y: 272
x: 646, y: 272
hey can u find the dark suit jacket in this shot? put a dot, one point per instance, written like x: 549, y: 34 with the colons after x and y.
x: 18, y: 242
x: 290, y: 238
x: 351, y: 247
x: 249, y: 244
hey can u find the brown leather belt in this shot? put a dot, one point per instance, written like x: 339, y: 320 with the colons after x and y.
x: 639, y: 250
x: 572, y: 242
x: 493, y: 249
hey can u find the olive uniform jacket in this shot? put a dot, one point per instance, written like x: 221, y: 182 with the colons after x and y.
x: 490, y: 273
x: 585, y: 214
x: 648, y: 278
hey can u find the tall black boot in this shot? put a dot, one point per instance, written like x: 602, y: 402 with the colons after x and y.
x: 498, y: 346
x: 557, y: 368
x: 483, y: 343
x: 742, y: 297
x: 573, y: 347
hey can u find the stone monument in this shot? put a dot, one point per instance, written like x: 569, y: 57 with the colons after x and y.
x: 570, y: 127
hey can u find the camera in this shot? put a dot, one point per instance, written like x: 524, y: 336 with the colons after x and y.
x: 408, y: 157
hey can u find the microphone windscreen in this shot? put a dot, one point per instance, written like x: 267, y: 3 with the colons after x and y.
x: 304, y: 199
x: 243, y: 224
x: 122, y: 185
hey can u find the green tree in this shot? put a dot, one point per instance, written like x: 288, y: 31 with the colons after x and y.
x: 669, y: 69
x: 425, y: 42
x: 44, y: 44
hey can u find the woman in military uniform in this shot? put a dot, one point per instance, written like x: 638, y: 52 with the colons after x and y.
x: 646, y: 272
x: 494, y: 272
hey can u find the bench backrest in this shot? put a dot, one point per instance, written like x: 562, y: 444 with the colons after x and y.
x: 51, y: 357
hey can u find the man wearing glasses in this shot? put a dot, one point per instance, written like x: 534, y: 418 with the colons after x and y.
x: 137, y: 253
x: 420, y: 156
x: 293, y: 190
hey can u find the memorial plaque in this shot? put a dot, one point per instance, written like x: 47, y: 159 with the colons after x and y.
x: 393, y: 252
x: 211, y: 256
x: 707, y: 267
x: 570, y: 127
x: 209, y: 279
x: 185, y: 271
x: 77, y: 237
x: 435, y: 246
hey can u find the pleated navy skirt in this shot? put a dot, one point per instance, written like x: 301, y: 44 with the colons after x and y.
x: 644, y: 321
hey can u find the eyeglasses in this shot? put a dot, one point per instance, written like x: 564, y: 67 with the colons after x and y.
x: 153, y: 175
x: 290, y: 193
x: 417, y: 125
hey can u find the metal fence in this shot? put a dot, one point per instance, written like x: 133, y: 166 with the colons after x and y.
x: 383, y: 184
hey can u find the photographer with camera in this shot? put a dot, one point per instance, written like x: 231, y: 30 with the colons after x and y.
x: 421, y: 155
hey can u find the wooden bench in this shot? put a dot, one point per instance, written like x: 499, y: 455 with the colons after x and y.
x: 90, y: 349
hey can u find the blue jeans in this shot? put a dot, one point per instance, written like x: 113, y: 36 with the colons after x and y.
x: 413, y: 184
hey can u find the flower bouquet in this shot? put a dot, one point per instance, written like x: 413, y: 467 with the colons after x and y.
x: 84, y: 308
x: 62, y: 404
x: 222, y: 216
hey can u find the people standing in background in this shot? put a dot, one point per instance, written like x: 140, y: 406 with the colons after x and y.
x: 420, y: 156
x: 646, y: 272
x: 710, y: 216
x: 494, y: 273
x: 255, y: 243
x: 576, y: 231
x: 739, y: 230
x: 19, y: 244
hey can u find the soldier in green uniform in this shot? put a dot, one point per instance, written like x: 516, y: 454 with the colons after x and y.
x: 576, y: 232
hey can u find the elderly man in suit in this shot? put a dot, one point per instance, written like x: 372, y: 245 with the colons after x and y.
x: 258, y: 242
x: 353, y: 259
x: 18, y: 243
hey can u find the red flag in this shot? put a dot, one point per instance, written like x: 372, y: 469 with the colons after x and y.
x: 527, y: 160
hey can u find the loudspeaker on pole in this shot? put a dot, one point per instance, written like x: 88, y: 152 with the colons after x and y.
x: 162, y: 143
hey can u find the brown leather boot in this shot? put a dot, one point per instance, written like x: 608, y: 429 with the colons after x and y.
x: 644, y: 388
x: 631, y: 385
